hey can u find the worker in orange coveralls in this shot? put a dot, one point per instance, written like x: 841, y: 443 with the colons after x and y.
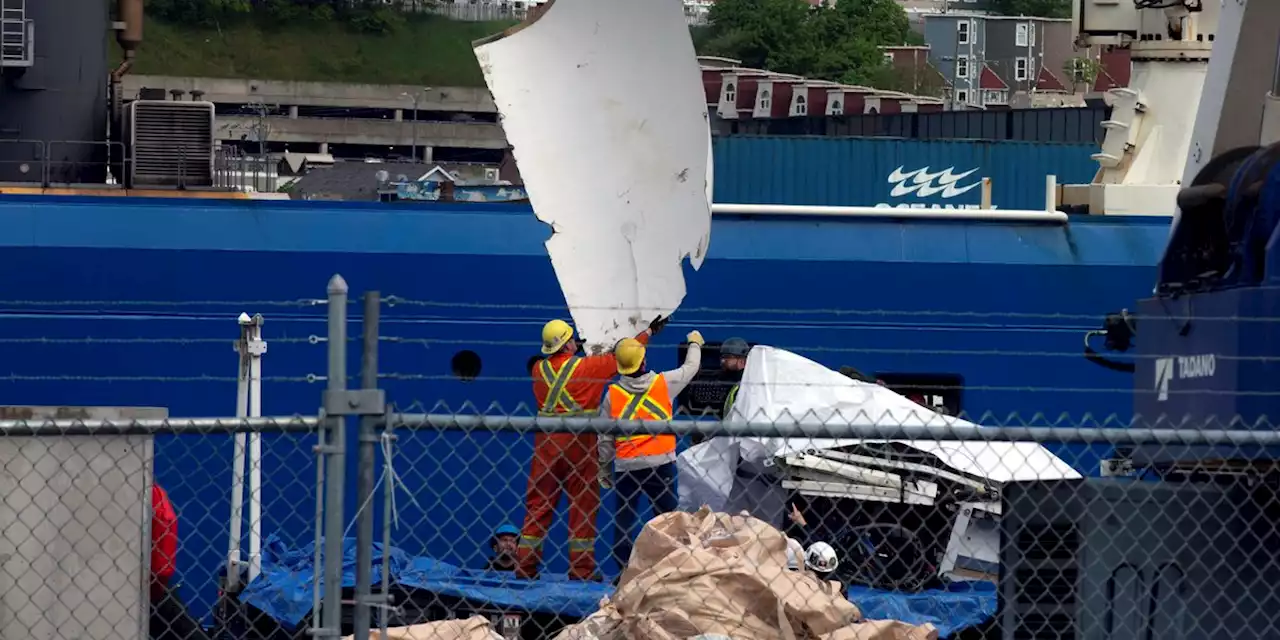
x: 565, y: 384
x: 169, y: 619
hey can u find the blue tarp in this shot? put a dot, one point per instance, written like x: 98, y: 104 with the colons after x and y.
x: 283, y: 590
x: 960, y: 606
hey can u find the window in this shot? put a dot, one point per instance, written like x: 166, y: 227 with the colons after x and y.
x: 888, y: 58
x: 835, y: 106
x: 1021, y: 38
x: 994, y: 96
x: 1020, y: 69
x: 730, y: 93
x: 765, y: 102
x: 801, y: 107
x: 962, y: 67
x: 962, y: 96
x: 962, y: 32
x: 1079, y: 70
x: 466, y: 365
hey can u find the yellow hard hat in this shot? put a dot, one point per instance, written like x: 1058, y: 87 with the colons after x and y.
x: 554, y: 336
x: 630, y: 355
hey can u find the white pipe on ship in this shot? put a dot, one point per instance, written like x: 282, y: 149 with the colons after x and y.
x: 994, y: 215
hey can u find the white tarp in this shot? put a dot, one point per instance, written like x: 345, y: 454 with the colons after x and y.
x: 781, y: 386
x: 730, y: 475
x: 603, y: 104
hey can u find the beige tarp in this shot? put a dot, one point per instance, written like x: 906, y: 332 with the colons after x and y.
x: 473, y: 628
x: 722, y: 576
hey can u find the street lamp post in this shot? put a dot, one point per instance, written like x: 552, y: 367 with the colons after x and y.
x: 413, y: 144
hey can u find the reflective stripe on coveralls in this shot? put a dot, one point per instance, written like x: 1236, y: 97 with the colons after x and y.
x: 653, y: 404
x: 558, y: 401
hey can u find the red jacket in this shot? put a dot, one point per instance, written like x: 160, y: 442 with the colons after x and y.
x: 589, y: 380
x: 164, y: 536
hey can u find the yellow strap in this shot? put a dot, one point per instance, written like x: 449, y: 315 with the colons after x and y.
x: 728, y: 402
x: 556, y: 381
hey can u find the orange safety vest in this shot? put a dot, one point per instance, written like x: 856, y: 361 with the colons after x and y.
x: 653, y: 404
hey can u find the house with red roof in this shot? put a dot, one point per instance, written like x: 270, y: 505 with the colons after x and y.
x: 993, y: 90
x: 743, y: 94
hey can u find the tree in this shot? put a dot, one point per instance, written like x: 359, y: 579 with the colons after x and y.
x: 766, y: 34
x: 1038, y: 8
x: 201, y: 12
x: 363, y: 15
x: 839, y: 43
x: 1081, y: 72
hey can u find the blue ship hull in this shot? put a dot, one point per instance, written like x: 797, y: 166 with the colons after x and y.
x: 1002, y: 305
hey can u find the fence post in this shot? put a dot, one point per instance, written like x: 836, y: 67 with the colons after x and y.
x: 232, y: 583
x: 334, y: 474
x: 257, y: 348
x: 364, y: 499
x: 369, y: 403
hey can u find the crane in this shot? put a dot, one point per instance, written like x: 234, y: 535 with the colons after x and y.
x: 1205, y: 80
x: 1208, y: 354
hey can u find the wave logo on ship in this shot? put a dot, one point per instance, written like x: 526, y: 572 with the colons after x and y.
x: 921, y: 183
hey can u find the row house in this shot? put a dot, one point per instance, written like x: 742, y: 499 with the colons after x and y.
x: 968, y: 48
x: 991, y: 61
x: 737, y: 93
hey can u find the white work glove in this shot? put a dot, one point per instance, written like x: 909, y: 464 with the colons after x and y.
x: 695, y: 337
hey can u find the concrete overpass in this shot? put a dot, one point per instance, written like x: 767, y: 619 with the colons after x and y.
x: 322, y: 94
x: 288, y: 96
x: 325, y: 131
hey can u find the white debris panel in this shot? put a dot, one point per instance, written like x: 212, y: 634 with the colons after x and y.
x: 602, y: 102
x: 778, y: 385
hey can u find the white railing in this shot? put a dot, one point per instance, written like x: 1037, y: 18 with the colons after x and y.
x: 495, y: 11
x: 16, y: 34
x: 478, y: 12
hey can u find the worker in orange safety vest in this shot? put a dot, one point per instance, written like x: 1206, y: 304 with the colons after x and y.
x: 565, y: 384
x: 643, y: 466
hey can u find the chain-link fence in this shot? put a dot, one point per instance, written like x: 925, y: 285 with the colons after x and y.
x: 828, y: 503
x: 878, y: 507
x: 122, y: 519
x: 1001, y: 531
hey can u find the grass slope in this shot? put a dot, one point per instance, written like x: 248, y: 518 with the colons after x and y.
x: 429, y: 51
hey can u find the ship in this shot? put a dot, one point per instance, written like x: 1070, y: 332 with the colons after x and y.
x: 129, y: 255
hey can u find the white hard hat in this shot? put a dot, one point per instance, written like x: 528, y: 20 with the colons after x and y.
x: 821, y: 558
x: 795, y: 551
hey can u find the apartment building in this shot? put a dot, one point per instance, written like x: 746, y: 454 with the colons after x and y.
x: 1016, y: 50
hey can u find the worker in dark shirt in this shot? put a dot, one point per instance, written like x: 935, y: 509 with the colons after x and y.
x: 504, y: 542
x: 733, y: 361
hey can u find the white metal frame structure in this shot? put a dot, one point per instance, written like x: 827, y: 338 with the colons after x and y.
x: 1220, y: 55
x: 250, y: 348
x: 1240, y: 103
x: 17, y: 35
